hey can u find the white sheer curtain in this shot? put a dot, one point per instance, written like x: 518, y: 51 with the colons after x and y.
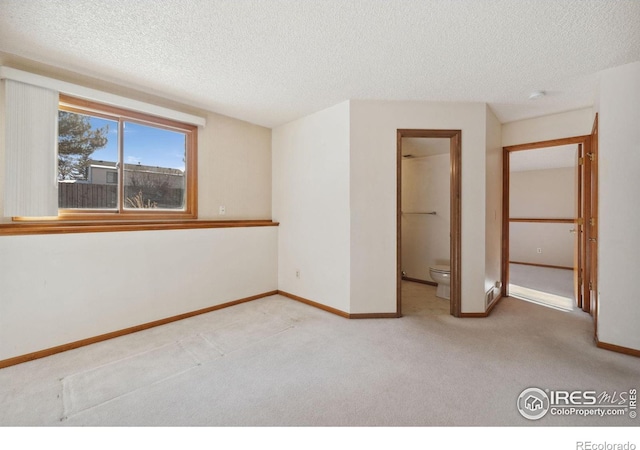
x: 31, y: 130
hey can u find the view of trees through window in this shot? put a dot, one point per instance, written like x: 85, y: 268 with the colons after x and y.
x: 94, y: 161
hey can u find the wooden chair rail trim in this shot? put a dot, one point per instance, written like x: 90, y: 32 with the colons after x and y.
x: 103, y: 337
x: 533, y: 220
x: 55, y: 227
x: 550, y: 266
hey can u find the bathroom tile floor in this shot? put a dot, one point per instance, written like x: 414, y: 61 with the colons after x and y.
x: 420, y: 300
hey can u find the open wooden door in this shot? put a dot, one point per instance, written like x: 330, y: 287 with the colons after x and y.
x: 583, y: 221
x: 578, y: 251
x: 585, y: 250
x: 592, y: 226
x: 588, y: 219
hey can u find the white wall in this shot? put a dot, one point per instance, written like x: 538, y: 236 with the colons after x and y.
x: 2, y: 141
x: 62, y: 288
x: 338, y: 216
x: 234, y: 169
x: 311, y: 202
x: 619, y: 215
x: 425, y: 238
x: 554, y: 240
x: 543, y: 194
x: 555, y: 126
x: 493, y: 215
x: 373, y: 196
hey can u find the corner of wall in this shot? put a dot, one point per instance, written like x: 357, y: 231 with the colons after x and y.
x: 493, y: 215
x: 311, y: 201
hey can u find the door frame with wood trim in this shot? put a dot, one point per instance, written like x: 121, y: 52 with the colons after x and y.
x: 586, y: 194
x: 455, y: 150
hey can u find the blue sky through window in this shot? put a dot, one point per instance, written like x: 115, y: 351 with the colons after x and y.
x: 143, y: 144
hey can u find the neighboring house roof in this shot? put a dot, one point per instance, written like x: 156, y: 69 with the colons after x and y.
x: 136, y: 167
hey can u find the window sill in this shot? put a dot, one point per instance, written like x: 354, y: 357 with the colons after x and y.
x: 65, y: 227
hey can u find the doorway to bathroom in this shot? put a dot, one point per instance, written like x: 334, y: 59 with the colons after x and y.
x: 428, y: 221
x: 550, y: 222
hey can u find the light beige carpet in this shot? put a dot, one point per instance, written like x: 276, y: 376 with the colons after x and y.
x: 277, y: 362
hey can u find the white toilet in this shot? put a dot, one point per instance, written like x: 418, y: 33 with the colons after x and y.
x: 441, y: 274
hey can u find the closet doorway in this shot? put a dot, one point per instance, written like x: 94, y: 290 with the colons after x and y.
x: 543, y: 205
x: 455, y: 229
x: 583, y: 225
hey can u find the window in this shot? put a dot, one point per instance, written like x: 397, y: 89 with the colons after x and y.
x: 112, y: 177
x: 115, y: 163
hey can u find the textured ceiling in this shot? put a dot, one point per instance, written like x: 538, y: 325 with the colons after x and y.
x: 270, y: 62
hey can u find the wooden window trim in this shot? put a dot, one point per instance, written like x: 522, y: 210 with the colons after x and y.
x: 101, y: 217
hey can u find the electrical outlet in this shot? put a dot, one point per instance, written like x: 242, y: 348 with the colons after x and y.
x: 222, y: 210
x: 298, y: 273
x: 539, y: 250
